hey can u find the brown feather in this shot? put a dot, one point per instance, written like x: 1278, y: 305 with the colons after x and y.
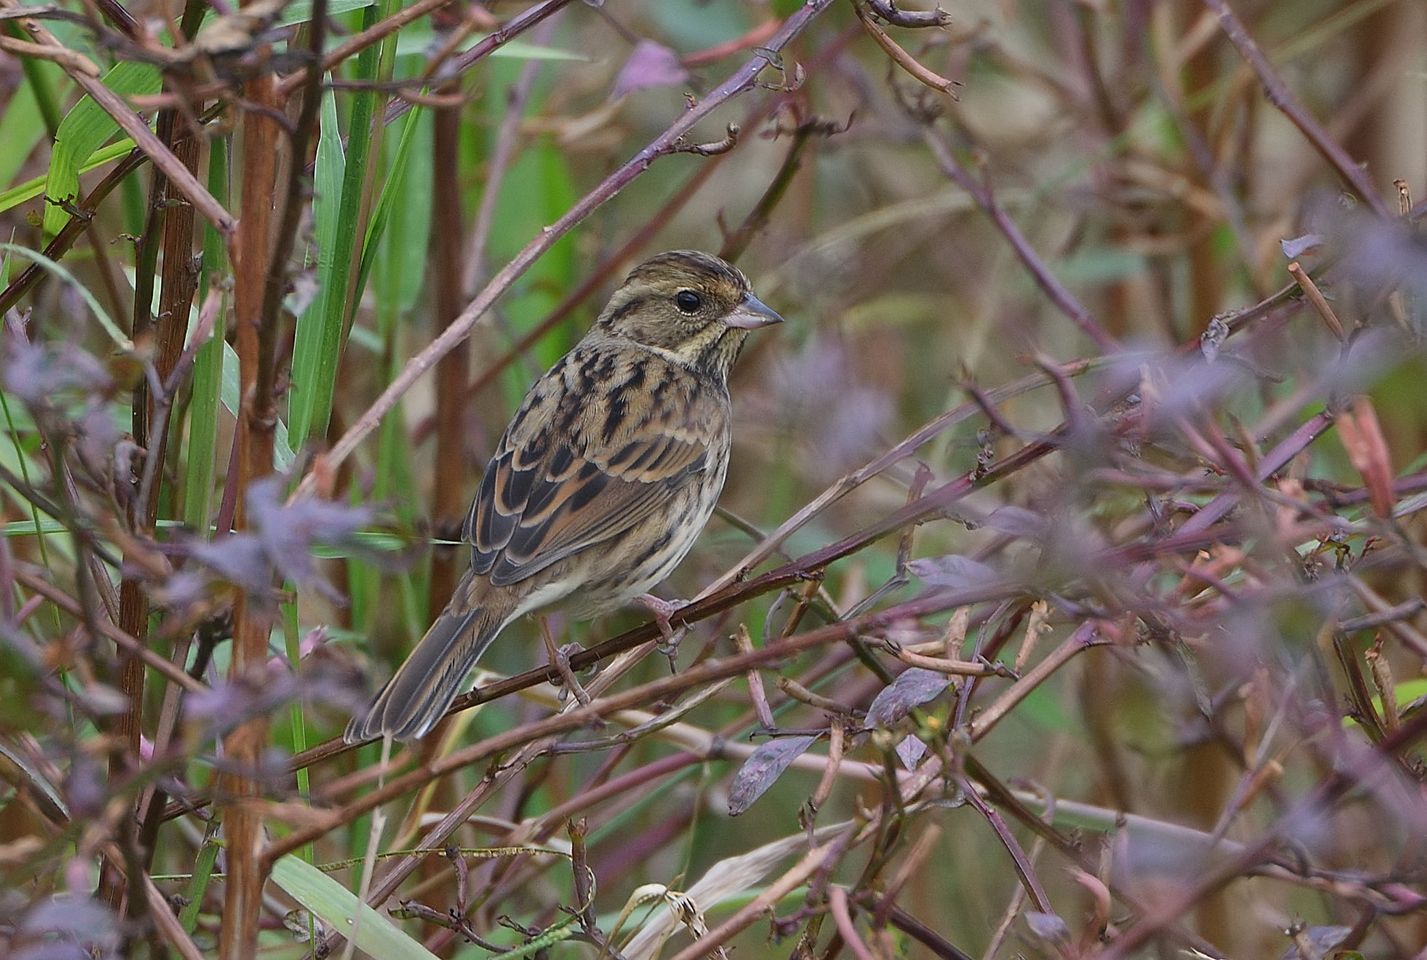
x: 601, y: 483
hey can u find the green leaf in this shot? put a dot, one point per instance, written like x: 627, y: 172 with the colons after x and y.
x: 22, y: 126
x: 319, y: 328
x: 404, y: 240
x: 300, y: 11
x: 1405, y: 693
x: 538, y: 188
x: 30, y: 189
x: 395, y: 185
x: 340, y: 909
x: 207, y: 367
x: 198, y: 884
x: 1100, y: 265
x: 84, y: 130
x: 43, y: 80
x: 282, y: 450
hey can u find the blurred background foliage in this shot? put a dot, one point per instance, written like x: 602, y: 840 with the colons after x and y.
x: 1134, y: 194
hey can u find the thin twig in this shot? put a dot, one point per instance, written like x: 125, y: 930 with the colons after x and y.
x: 914, y: 68
x: 887, y: 10
x: 1058, y: 293
x: 513, y: 28
x: 1279, y: 95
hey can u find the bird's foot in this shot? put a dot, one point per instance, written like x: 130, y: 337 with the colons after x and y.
x: 560, y: 660
x: 663, y: 610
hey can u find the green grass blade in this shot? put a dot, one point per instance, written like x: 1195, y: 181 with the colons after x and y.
x: 403, y: 243
x: 292, y: 644
x: 323, y: 340
x: 282, y: 449
x: 198, y: 884
x: 391, y: 189
x: 22, y: 462
x: 207, y: 367
x: 340, y: 909
x: 300, y: 11
x: 30, y: 189
x: 22, y: 123
x: 314, y: 352
x: 419, y: 38
x: 84, y: 130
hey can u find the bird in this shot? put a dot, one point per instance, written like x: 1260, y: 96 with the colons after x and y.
x: 602, y: 481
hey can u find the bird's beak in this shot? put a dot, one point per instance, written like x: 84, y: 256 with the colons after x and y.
x: 751, y: 314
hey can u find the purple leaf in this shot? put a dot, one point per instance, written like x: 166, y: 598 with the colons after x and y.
x: 102, y: 700
x: 1017, y: 521
x: 1298, y: 246
x: 86, y: 788
x: 1048, y: 927
x: 97, y: 437
x: 281, y: 540
x: 239, y: 559
x: 952, y: 571
x: 910, y: 751
x: 1383, y: 254
x: 650, y: 64
x: 42, y: 373
x: 762, y: 769
x: 68, y: 926
x: 228, y: 705
x: 914, y: 687
x: 1321, y: 940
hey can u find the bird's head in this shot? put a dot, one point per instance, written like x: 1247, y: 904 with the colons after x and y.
x: 690, y: 306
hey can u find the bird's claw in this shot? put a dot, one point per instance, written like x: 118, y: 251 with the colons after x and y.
x: 560, y: 660
x: 662, y: 611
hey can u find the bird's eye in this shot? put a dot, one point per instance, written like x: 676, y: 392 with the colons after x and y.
x: 688, y: 301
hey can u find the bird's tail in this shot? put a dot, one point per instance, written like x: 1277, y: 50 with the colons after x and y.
x: 425, y: 684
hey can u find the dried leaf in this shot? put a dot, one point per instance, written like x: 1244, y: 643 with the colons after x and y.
x: 1211, y: 341
x: 912, y: 688
x: 1017, y: 521
x: 763, y: 768
x: 1367, y: 449
x: 730, y: 877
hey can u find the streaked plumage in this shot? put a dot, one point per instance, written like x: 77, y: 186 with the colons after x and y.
x: 601, y: 482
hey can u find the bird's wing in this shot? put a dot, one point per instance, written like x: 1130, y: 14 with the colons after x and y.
x: 601, y: 442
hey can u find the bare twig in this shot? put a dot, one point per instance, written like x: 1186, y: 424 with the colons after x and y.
x: 986, y: 200
x: 1280, y: 96
x: 887, y: 10
x: 915, y: 68
x: 837, y: 902
x: 513, y: 28
x: 73, y: 62
x: 1320, y: 302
